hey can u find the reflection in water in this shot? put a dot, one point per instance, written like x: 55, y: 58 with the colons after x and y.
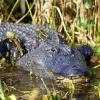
x: 24, y: 83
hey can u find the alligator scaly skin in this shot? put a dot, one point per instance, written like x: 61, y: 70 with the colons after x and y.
x: 45, y: 57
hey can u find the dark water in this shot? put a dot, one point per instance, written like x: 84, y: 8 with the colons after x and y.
x: 24, y: 84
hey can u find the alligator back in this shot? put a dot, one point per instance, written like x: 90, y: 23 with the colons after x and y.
x: 30, y: 35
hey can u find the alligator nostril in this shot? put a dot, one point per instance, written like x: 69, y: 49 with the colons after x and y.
x: 52, y: 50
x: 72, y: 51
x: 55, y: 50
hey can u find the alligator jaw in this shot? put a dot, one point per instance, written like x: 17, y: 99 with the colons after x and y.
x: 74, y: 79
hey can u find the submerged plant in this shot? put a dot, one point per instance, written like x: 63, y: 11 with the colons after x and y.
x: 97, y: 88
x: 3, y: 96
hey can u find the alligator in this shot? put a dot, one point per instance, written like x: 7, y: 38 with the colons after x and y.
x: 45, y: 55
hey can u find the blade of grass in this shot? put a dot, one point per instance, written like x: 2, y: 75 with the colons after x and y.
x: 96, y: 66
x: 12, y: 9
x: 62, y: 21
x: 45, y: 86
x: 25, y: 14
x: 29, y: 8
x: 2, y: 96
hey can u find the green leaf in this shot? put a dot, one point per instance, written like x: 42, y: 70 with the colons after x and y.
x: 98, y: 51
x: 90, y: 24
x: 54, y: 96
x: 99, y: 29
x: 82, y: 25
x: 88, y: 4
x: 92, y: 72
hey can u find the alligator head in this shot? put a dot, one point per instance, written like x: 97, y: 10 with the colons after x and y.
x: 59, y: 59
x: 44, y: 54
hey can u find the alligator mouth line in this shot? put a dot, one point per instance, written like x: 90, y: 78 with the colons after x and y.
x: 74, y: 79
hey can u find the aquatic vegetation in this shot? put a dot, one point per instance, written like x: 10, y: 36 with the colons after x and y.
x: 3, y: 96
x: 42, y: 34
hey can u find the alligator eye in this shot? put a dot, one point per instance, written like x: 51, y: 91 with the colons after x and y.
x: 53, y: 50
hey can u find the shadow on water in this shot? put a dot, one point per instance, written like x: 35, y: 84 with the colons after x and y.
x: 23, y: 84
